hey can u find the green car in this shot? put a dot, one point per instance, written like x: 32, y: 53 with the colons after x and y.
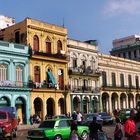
x: 56, y: 129
x: 124, y: 115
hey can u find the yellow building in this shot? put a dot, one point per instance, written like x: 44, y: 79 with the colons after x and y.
x: 48, y: 64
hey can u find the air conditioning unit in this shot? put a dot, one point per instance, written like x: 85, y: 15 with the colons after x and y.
x: 62, y: 52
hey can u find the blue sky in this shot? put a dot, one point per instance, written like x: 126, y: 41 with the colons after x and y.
x: 103, y: 20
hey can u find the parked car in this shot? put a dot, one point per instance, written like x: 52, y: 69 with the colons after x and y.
x: 107, y: 119
x: 87, y: 118
x: 8, y: 123
x: 56, y: 129
x: 124, y: 115
x: 62, y: 116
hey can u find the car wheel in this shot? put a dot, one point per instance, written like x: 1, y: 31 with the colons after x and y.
x: 58, y: 137
x: 84, y: 135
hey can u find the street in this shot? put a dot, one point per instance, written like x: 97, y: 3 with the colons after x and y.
x: 22, y: 134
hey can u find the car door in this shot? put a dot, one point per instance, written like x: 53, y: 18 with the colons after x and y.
x: 64, y: 128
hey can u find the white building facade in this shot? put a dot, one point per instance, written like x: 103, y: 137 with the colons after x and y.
x: 120, y: 83
x: 83, y: 76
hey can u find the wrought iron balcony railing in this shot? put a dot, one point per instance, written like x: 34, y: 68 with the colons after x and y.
x: 57, y: 55
x: 84, y: 71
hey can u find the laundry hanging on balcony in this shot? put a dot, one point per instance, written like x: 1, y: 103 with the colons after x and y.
x: 51, y: 78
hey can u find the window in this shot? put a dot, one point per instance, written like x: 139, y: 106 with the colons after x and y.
x: 135, y: 54
x: 19, y: 76
x: 104, y: 80
x: 17, y: 37
x: 48, y: 46
x: 37, y: 74
x: 61, y: 79
x: 113, y: 80
x: 63, y: 123
x: 122, y: 80
x: 124, y: 55
x: 129, y: 55
x: 137, y: 82
x: 3, y: 72
x: 74, y: 62
x: 129, y: 81
x: 36, y: 43
x: 59, y: 46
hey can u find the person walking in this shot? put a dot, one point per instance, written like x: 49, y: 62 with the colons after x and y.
x: 79, y: 118
x: 74, y: 131
x: 130, y: 126
x: 118, y: 134
x: 94, y: 127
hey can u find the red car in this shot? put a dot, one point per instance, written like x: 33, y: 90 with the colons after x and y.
x: 8, y: 125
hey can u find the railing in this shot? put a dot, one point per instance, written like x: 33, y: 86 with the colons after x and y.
x: 84, y: 89
x: 57, y: 55
x: 84, y: 71
x: 125, y: 87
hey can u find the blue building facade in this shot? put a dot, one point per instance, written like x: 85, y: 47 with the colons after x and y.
x: 14, y: 77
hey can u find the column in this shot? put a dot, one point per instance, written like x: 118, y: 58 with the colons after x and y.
x: 100, y: 103
x: 134, y: 101
x: 44, y: 108
x: 127, y: 106
x: 119, y: 104
x: 28, y: 109
x: 110, y: 103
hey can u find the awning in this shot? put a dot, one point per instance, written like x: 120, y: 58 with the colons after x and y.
x: 51, y: 77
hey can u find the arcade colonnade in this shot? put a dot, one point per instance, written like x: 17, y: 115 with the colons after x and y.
x: 118, y: 100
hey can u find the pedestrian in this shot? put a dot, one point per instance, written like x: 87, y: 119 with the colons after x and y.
x: 79, y: 118
x: 130, y: 126
x: 74, y: 115
x: 18, y: 120
x: 31, y: 120
x: 74, y: 131
x: 94, y: 128
x: 137, y: 120
x: 118, y: 134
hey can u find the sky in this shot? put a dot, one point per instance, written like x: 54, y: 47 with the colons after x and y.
x: 101, y: 20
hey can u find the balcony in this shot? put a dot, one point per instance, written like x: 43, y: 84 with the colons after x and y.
x: 84, y: 71
x: 57, y: 55
x: 13, y: 84
x: 79, y: 89
x: 120, y: 88
x: 45, y: 85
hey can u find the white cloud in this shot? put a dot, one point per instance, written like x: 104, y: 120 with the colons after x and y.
x: 115, y: 7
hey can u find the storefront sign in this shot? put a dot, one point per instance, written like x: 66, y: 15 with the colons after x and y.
x: 7, y: 83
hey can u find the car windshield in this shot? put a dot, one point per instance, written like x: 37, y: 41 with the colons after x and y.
x: 103, y: 114
x: 90, y: 116
x: 2, y: 116
x: 47, y: 124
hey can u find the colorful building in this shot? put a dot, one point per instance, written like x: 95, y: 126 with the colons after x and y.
x: 84, y: 76
x: 48, y: 64
x: 14, y: 74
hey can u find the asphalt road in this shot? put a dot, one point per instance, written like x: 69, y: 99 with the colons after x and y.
x: 109, y: 129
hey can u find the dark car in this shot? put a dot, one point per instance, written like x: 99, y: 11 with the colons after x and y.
x: 107, y: 119
x: 87, y: 118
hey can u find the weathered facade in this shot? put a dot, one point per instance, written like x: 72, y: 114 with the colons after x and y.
x: 120, y: 85
x: 83, y: 76
x: 14, y: 74
x: 48, y: 64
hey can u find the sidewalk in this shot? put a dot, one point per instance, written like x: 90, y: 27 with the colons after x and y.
x: 27, y: 126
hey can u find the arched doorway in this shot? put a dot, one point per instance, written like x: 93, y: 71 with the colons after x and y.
x: 61, y: 106
x: 123, y: 101
x: 76, y: 104
x: 105, y: 102
x: 38, y: 107
x: 50, y: 107
x: 85, y: 105
x: 94, y: 104
x: 4, y: 102
x: 114, y: 100
x: 130, y: 100
x: 21, y: 109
